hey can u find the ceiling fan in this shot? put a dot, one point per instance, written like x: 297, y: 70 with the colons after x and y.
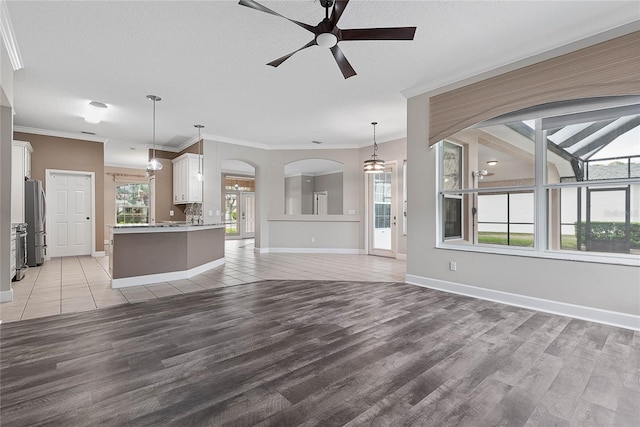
x: 328, y: 35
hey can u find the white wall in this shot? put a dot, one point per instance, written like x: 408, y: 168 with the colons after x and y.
x: 595, y: 286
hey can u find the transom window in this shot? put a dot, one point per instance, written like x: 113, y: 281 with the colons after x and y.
x: 566, y: 183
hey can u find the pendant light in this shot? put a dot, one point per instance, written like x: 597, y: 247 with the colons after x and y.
x: 375, y: 164
x: 200, y: 175
x: 154, y: 164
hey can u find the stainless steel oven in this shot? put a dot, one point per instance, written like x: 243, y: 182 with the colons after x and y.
x: 21, y: 251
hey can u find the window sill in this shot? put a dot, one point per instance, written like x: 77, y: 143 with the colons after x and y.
x: 614, y: 259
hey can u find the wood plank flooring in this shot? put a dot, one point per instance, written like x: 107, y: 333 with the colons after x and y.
x: 325, y: 353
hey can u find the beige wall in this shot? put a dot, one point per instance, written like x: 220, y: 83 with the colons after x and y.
x: 6, y: 131
x: 596, y: 286
x: 50, y: 152
x: 114, y: 176
x: 164, y: 185
x: 277, y: 230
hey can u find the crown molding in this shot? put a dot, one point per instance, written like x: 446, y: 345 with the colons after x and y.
x: 9, y: 37
x: 60, y: 134
x: 456, y: 81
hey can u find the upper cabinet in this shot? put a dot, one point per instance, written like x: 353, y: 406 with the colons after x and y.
x: 20, y: 170
x: 187, y: 188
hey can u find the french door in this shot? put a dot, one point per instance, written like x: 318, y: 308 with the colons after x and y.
x: 247, y: 215
x: 381, y: 212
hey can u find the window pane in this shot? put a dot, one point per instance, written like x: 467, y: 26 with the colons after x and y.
x: 594, y: 150
x: 596, y: 219
x: 506, y: 219
x: 452, y: 166
x: 452, y: 218
x: 231, y: 213
x: 132, y: 204
x: 494, y: 156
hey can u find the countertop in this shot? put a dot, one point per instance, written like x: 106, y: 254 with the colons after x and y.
x: 162, y: 228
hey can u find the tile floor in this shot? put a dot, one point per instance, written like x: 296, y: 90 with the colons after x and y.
x: 71, y: 284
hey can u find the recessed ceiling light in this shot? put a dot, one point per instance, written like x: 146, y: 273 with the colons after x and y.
x: 492, y: 162
x: 95, y: 111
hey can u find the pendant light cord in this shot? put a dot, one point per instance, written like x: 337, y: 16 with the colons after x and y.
x: 154, y: 128
x: 375, y: 144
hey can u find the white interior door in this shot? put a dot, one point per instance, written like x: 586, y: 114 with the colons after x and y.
x: 70, y: 204
x: 382, y: 215
x: 247, y: 215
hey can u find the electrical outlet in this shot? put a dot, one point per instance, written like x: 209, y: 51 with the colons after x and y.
x: 453, y: 266
x: 210, y: 213
x: 170, y: 213
x: 313, y: 240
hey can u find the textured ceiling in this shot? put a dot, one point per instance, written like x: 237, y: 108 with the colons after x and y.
x: 206, y: 59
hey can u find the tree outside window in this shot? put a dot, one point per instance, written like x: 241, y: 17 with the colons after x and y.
x: 132, y: 204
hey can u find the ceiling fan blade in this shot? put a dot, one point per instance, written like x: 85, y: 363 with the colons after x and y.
x: 257, y: 6
x: 279, y: 61
x: 397, y: 33
x: 338, y: 8
x: 345, y: 67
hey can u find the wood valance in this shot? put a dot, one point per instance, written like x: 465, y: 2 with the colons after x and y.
x: 609, y: 68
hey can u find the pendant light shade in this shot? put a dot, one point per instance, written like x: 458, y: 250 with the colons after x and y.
x: 154, y: 164
x: 375, y: 164
x: 200, y: 175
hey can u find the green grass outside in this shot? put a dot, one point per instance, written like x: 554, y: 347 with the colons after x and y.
x: 569, y: 241
x: 494, y: 238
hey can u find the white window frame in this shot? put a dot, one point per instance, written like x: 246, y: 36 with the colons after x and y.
x: 540, y: 189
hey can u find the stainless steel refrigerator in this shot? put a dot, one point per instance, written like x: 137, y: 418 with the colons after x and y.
x: 35, y: 215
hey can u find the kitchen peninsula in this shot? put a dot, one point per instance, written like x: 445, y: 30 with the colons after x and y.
x: 144, y: 254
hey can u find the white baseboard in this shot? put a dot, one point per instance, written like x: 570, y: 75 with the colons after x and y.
x: 310, y: 251
x: 6, y: 296
x: 402, y: 257
x: 622, y: 320
x: 98, y: 254
x: 126, y: 282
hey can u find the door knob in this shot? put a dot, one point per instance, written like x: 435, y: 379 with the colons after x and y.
x: 88, y: 218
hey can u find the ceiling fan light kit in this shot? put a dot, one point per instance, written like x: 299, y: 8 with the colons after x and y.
x: 328, y: 35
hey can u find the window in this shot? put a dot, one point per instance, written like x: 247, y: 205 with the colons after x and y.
x: 451, y: 181
x: 132, y: 204
x: 382, y: 200
x: 585, y: 200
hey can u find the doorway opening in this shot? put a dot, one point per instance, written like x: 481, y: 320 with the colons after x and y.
x: 239, y: 206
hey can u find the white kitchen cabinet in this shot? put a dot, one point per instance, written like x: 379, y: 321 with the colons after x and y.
x: 20, y: 169
x: 187, y: 188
